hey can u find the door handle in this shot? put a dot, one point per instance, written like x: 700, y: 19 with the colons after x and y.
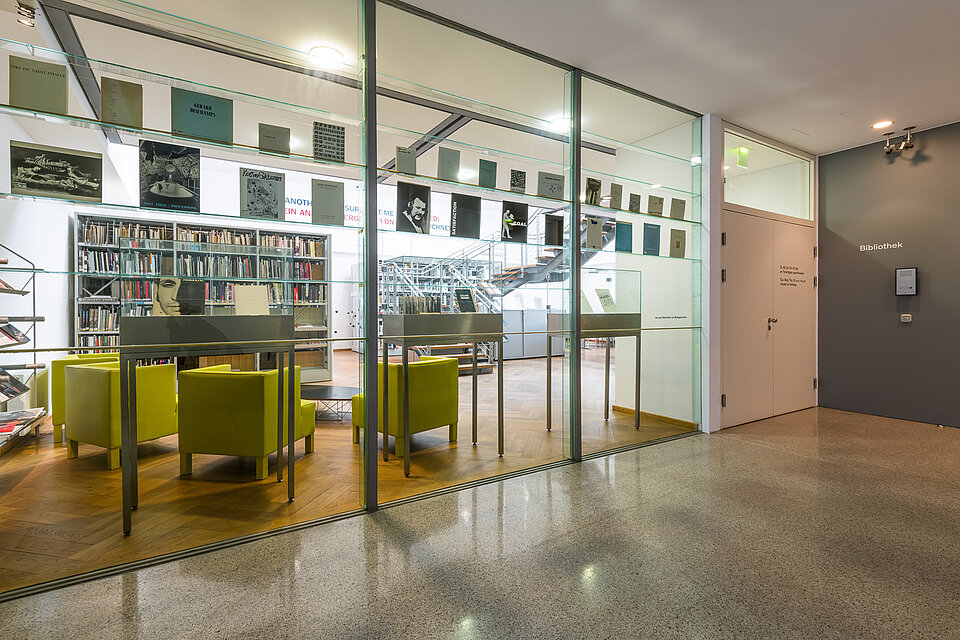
x: 770, y: 323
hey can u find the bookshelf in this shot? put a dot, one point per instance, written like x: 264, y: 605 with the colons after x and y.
x: 117, y: 261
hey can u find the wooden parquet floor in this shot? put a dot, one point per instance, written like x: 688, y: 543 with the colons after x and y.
x: 60, y: 517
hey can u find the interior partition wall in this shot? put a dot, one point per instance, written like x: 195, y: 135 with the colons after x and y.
x: 269, y: 273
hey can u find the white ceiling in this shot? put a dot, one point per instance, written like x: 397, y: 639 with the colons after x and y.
x: 813, y: 74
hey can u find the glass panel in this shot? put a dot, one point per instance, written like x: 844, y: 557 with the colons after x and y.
x: 474, y: 224
x: 219, y: 180
x: 759, y: 176
x: 640, y: 269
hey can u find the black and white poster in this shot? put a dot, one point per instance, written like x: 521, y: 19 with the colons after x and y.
x: 328, y: 141
x: 262, y: 194
x: 36, y: 170
x: 179, y: 297
x: 518, y: 181
x: 413, y: 207
x: 514, y: 227
x: 593, y: 192
x: 169, y: 176
x: 464, y: 216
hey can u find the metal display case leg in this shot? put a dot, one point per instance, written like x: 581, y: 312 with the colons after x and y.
x: 549, y: 382
x: 636, y: 399
x: 279, y: 416
x: 293, y: 410
x: 500, y: 397
x: 606, y: 380
x: 474, y: 393
x: 125, y: 471
x: 385, y: 410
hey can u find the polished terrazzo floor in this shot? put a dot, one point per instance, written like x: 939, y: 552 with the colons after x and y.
x: 819, y: 524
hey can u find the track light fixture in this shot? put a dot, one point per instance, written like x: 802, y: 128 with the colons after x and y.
x: 897, y: 147
x: 27, y: 12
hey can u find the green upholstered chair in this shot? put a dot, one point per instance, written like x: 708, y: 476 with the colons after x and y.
x: 93, y: 406
x: 57, y: 395
x: 234, y: 413
x: 434, y: 399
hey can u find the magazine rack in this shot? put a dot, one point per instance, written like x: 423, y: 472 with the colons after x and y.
x: 28, y: 288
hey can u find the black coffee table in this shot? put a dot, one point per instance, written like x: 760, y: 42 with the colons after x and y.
x: 330, y: 398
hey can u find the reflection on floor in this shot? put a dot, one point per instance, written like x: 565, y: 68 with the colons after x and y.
x: 61, y: 517
x: 817, y: 524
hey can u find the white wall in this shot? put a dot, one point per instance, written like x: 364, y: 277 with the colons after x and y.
x: 784, y: 189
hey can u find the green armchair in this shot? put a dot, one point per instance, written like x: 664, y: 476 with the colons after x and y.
x: 93, y: 406
x: 234, y: 413
x: 57, y: 386
x: 434, y: 399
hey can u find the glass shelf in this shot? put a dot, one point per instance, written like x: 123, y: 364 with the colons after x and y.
x: 607, y: 212
x: 482, y: 151
x: 691, y: 161
x: 392, y: 176
x: 589, y: 173
x: 159, y: 78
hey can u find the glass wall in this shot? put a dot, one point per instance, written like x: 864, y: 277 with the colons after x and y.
x: 474, y: 168
x: 182, y: 271
x: 759, y: 176
x: 199, y: 188
x: 640, y: 269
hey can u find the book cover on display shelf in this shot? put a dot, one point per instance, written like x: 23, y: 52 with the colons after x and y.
x: 488, y: 174
x: 651, y: 239
x: 38, y: 170
x: 198, y: 115
x: 169, y: 176
x: 38, y: 85
x: 10, y: 387
x: 121, y: 103
x: 327, y: 202
x: 594, y: 234
x: 553, y: 230
x: 592, y: 194
x: 624, y: 239
x: 655, y: 205
x: 262, y: 194
x: 677, y: 208
x: 464, y: 216
x: 179, y: 297
x: 635, y: 203
x: 14, y: 421
x: 549, y: 185
x: 273, y: 138
x: 448, y: 164
x: 518, y: 181
x: 514, y: 225
x: 678, y: 243
x: 616, y: 196
x: 413, y: 207
x: 606, y: 301
x: 329, y: 141
x: 406, y: 160
x: 465, y: 300
x: 10, y: 336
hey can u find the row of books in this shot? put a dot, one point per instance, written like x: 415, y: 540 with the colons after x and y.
x: 141, y: 263
x: 309, y: 247
x: 215, y: 266
x: 136, y: 289
x: 92, y: 260
x: 99, y: 341
x: 309, y: 293
x: 93, y: 318
x: 215, y: 236
x: 96, y: 232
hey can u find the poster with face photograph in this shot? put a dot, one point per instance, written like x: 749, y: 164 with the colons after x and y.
x: 36, y: 170
x: 178, y: 297
x: 169, y: 176
x: 413, y: 207
x: 514, y: 228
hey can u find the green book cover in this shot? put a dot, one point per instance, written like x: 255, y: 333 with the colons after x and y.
x: 327, y: 202
x: 39, y: 86
x: 121, y: 103
x: 678, y: 243
x: 624, y: 241
x: 198, y: 115
x: 273, y: 138
x: 406, y: 160
x: 448, y: 164
x: 488, y: 174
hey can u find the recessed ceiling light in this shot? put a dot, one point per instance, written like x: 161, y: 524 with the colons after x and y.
x: 883, y: 124
x: 327, y: 57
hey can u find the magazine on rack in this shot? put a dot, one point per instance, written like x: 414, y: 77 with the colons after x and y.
x: 14, y: 421
x: 10, y: 335
x: 10, y: 387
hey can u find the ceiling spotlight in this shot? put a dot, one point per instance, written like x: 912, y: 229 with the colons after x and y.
x: 27, y: 12
x: 907, y: 142
x: 896, y: 147
x: 327, y: 57
x: 883, y: 124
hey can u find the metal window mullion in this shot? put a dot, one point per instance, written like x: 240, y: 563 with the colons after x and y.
x: 576, y: 448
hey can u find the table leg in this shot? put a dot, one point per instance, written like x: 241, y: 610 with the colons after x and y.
x: 292, y: 408
x: 549, y: 382
x: 385, y: 402
x: 500, y: 397
x: 474, y: 393
x: 279, y: 416
x: 125, y: 470
x: 406, y: 413
x: 606, y: 381
x: 636, y: 399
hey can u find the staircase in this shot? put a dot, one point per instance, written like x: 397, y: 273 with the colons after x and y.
x: 463, y: 353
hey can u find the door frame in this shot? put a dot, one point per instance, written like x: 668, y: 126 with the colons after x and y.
x: 723, y: 206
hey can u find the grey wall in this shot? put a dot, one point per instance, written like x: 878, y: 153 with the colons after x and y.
x: 869, y: 361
